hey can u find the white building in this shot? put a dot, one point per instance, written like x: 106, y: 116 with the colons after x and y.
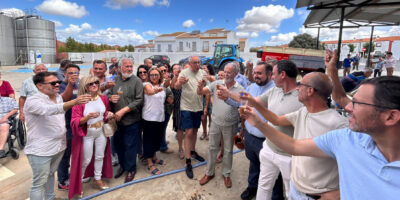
x: 195, y: 41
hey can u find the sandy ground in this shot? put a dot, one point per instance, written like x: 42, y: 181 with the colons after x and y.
x: 16, y: 175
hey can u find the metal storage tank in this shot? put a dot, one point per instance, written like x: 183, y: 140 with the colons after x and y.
x: 35, y: 34
x: 7, y: 40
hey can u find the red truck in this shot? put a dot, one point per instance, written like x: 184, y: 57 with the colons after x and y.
x: 306, y: 60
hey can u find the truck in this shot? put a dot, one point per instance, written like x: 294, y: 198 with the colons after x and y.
x: 223, y: 54
x: 306, y: 60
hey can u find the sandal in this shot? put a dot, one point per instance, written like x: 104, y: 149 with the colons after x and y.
x: 202, y: 137
x: 159, y: 161
x: 220, y: 158
x: 143, y: 160
x: 181, y: 154
x: 155, y: 170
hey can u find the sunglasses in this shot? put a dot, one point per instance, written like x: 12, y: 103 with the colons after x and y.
x: 71, y: 73
x: 144, y: 72
x: 53, y: 83
x: 163, y: 71
x: 93, y: 83
x: 154, y: 75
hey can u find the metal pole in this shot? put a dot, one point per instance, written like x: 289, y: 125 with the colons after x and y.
x: 318, y: 38
x: 340, y: 37
x: 370, y: 46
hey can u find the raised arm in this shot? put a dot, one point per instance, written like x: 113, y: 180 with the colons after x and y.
x: 338, y: 93
x: 306, y: 147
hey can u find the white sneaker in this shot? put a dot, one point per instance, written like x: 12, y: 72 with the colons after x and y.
x: 85, y: 180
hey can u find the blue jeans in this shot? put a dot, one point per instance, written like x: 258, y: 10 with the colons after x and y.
x: 253, y: 146
x: 43, y: 168
x: 127, y: 141
x: 164, y: 145
x: 63, y: 168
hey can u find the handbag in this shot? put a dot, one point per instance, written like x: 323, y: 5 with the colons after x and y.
x: 109, y: 128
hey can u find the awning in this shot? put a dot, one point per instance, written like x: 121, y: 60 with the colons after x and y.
x: 357, y: 13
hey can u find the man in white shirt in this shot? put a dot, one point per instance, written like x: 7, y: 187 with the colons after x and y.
x: 46, y: 139
x: 28, y: 89
x: 390, y: 63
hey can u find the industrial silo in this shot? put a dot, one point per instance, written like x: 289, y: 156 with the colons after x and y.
x: 35, y: 34
x: 7, y: 40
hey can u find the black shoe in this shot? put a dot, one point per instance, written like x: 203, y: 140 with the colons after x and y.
x: 197, y: 157
x: 119, y: 173
x: 3, y: 154
x: 249, y: 193
x: 189, y: 171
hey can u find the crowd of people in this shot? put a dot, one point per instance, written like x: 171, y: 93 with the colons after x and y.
x: 298, y: 146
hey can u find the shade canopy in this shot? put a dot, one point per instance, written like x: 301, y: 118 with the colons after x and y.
x: 357, y: 13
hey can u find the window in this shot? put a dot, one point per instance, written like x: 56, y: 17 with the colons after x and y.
x: 159, y: 47
x: 169, y: 47
x: 206, y: 46
x: 180, y: 46
x: 194, y: 46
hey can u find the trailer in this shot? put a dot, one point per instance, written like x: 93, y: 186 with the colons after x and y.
x: 306, y: 60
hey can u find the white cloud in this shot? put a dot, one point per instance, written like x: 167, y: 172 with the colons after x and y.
x: 61, y: 7
x: 281, y: 38
x: 138, y: 21
x: 57, y: 23
x: 164, y: 3
x: 264, y: 18
x: 211, y: 20
x: 151, y: 33
x: 110, y: 36
x: 71, y: 29
x: 188, y: 23
x: 13, y: 12
x: 118, y: 4
x: 247, y: 34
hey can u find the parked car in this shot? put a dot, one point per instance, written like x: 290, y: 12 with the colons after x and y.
x: 186, y: 60
x: 159, y: 59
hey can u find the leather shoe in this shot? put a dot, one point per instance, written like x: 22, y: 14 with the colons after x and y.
x: 119, y: 173
x: 249, y: 193
x: 205, y: 179
x: 130, y: 176
x: 228, y: 182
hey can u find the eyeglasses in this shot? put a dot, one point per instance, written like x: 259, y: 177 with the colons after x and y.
x: 353, y: 102
x: 71, y: 73
x: 93, y: 83
x: 143, y: 72
x: 53, y: 83
x: 163, y: 71
x: 154, y: 75
x: 306, y: 85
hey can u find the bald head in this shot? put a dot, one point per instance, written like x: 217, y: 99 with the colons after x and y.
x: 321, y: 82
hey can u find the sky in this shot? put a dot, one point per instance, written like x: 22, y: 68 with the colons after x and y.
x: 123, y: 22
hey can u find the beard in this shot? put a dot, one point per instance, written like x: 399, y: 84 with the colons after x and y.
x: 127, y: 75
x: 261, y: 83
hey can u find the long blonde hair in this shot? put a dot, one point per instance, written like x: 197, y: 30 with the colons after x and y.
x: 83, y: 83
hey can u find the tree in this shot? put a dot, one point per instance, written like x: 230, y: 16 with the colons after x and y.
x: 253, y: 49
x: 366, y: 46
x: 306, y: 41
x: 351, y: 47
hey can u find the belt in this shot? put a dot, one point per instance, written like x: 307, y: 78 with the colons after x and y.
x: 96, y: 125
x: 314, y: 196
x: 259, y: 138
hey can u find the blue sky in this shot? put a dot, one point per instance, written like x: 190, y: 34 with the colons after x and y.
x: 122, y: 22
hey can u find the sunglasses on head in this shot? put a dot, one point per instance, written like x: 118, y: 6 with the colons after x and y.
x: 53, y: 83
x: 92, y: 83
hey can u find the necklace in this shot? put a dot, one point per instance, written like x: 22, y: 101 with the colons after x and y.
x: 95, y: 98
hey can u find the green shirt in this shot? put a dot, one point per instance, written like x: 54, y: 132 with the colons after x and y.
x: 132, y: 97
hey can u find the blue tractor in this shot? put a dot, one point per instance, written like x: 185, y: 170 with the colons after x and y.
x: 223, y: 54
